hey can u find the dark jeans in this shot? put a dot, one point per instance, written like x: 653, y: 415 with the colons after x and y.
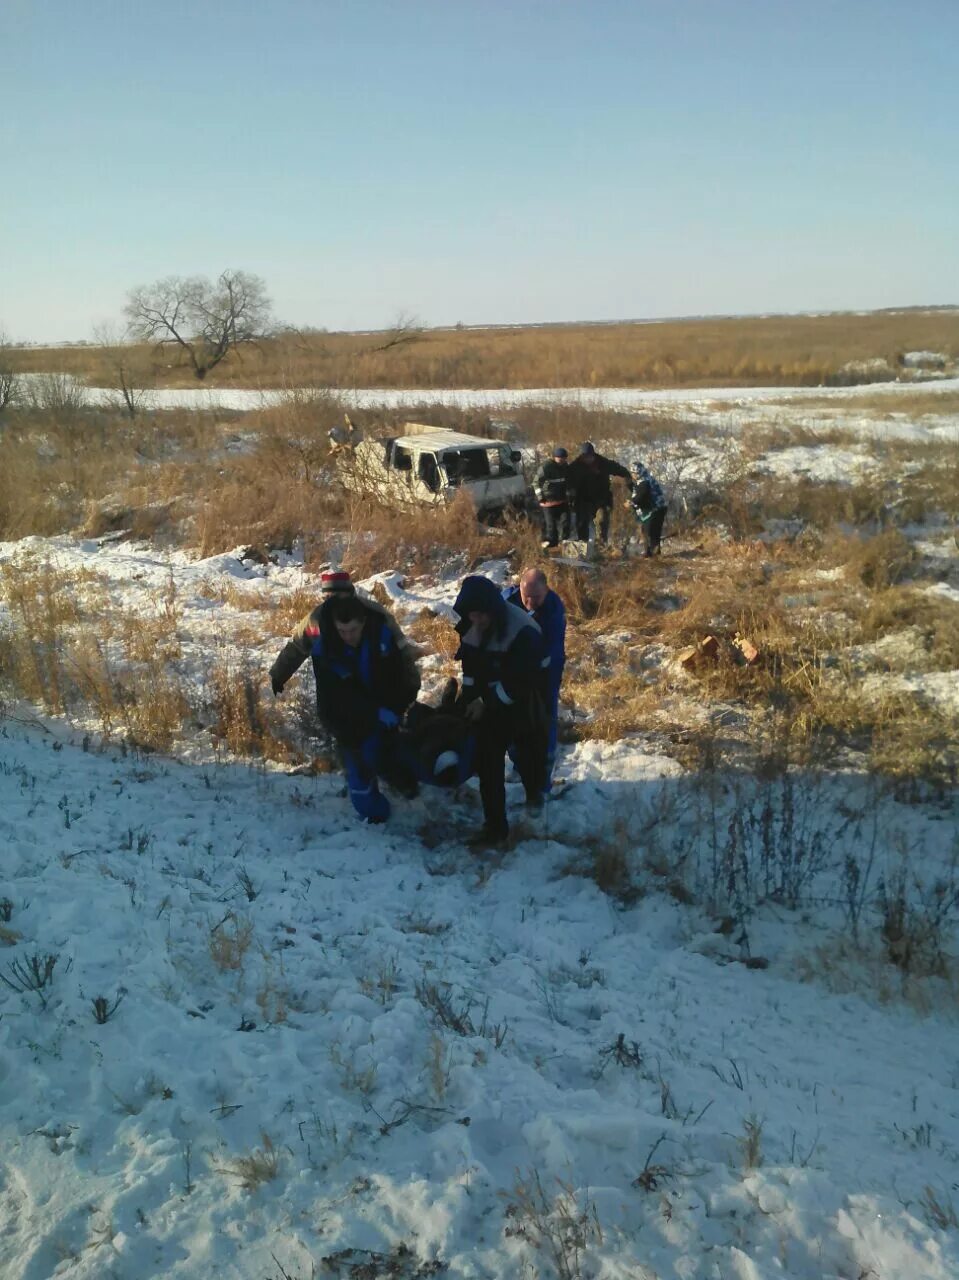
x: 593, y: 513
x: 652, y: 530
x: 529, y: 754
x: 556, y: 524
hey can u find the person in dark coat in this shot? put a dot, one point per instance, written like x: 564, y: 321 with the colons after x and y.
x: 335, y: 584
x: 550, y: 484
x: 535, y: 595
x: 362, y: 691
x: 590, y: 478
x: 505, y: 666
x: 649, y: 503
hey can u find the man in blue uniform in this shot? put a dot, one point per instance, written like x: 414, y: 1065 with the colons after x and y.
x: 535, y: 595
x: 363, y: 687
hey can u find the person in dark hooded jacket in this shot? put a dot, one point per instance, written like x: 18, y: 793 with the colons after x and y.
x: 552, y: 494
x: 589, y: 480
x: 505, y: 674
x: 649, y: 503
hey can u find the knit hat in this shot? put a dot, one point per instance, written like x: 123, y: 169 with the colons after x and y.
x: 586, y: 448
x: 560, y: 452
x: 336, y: 584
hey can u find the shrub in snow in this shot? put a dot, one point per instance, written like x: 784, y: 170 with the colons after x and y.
x: 856, y: 372
x: 34, y: 973
x: 923, y: 360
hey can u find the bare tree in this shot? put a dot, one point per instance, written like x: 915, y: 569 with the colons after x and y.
x: 127, y: 368
x: 405, y: 329
x: 206, y: 319
x: 9, y: 378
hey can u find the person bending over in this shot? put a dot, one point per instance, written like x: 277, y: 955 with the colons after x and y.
x: 363, y: 689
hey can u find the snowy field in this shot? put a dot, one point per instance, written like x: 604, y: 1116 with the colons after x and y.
x: 272, y: 1084
x: 729, y: 408
x: 272, y: 1043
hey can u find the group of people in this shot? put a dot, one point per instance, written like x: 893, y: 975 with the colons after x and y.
x: 512, y: 650
x: 573, y: 496
x: 506, y: 704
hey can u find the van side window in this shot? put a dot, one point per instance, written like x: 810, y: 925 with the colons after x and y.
x: 429, y: 472
x: 401, y: 459
x: 475, y: 464
x: 503, y: 464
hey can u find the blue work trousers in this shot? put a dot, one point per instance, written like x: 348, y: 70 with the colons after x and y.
x: 362, y: 764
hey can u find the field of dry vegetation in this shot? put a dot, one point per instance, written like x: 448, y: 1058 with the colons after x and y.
x: 818, y: 576
x: 802, y: 350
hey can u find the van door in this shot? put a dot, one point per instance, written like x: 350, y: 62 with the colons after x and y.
x: 429, y: 479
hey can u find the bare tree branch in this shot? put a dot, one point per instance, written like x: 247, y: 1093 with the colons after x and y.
x: 406, y: 329
x: 9, y: 378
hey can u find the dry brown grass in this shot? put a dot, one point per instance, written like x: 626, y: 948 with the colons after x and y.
x: 96, y: 472
x: 230, y: 940
x: 795, y: 350
x: 936, y: 620
x: 434, y: 635
x: 914, y: 404
x: 252, y: 1170
x: 67, y: 649
x: 881, y: 561
x: 421, y: 541
x: 725, y: 588
x: 245, y: 722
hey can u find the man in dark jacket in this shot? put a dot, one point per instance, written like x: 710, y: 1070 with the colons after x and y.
x: 550, y: 487
x: 362, y: 691
x: 546, y: 608
x: 336, y: 584
x: 649, y: 503
x: 505, y: 668
x: 589, y: 480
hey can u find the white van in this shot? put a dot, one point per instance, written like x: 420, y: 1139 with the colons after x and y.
x: 430, y: 465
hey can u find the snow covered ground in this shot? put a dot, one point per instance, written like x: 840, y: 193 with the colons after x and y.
x: 273, y: 1083
x: 275, y: 1086
x: 338, y: 1050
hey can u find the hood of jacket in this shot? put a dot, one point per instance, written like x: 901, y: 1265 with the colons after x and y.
x: 478, y: 595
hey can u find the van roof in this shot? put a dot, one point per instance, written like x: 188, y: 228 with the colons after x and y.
x: 425, y: 437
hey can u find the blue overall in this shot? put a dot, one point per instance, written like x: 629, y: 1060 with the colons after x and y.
x: 363, y: 762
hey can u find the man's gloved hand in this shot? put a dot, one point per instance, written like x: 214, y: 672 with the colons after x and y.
x: 474, y: 710
x: 276, y: 685
x: 389, y: 719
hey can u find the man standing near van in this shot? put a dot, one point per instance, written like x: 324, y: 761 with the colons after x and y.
x: 590, y: 480
x: 551, y: 486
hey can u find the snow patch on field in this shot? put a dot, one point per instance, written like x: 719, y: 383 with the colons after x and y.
x: 817, y: 464
x: 732, y: 408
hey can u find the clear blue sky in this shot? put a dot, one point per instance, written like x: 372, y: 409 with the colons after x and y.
x: 479, y: 160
